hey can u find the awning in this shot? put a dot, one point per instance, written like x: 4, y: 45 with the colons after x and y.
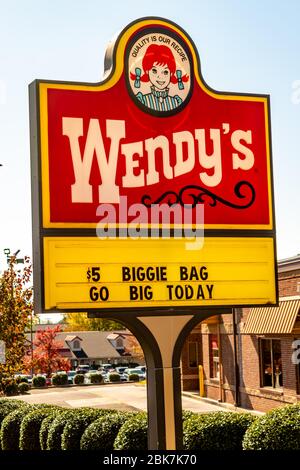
x: 274, y: 320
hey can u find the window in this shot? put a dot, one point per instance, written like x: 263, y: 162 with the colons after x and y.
x: 76, y: 345
x: 214, y: 357
x: 271, y: 363
x: 119, y: 343
x: 193, y: 354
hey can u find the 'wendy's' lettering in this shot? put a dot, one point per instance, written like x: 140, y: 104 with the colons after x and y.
x: 190, y: 150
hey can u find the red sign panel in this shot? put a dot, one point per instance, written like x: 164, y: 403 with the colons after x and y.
x: 153, y: 132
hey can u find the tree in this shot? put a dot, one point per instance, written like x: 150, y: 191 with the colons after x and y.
x: 15, y: 314
x: 47, y: 353
x: 78, y: 321
x: 133, y: 347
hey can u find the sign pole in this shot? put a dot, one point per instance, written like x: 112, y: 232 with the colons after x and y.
x: 162, y: 339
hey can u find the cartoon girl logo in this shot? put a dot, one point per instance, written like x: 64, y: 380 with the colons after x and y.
x: 158, y: 78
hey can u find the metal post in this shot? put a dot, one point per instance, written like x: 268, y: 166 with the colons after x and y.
x: 235, y: 360
x: 162, y: 338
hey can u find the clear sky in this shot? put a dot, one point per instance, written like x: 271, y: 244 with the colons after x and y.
x: 244, y: 45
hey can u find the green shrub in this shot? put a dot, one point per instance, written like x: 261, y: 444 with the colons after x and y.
x: 218, y: 431
x: 60, y: 379
x: 186, y: 414
x: 77, y: 424
x: 133, y: 433
x: 100, y: 435
x: 19, y: 379
x: 134, y: 377
x: 57, y: 428
x: 45, y: 426
x: 9, y: 386
x: 96, y: 378
x: 278, y: 429
x: 23, y: 387
x: 78, y: 379
x: 10, y: 429
x: 7, y: 406
x: 39, y: 381
x: 114, y: 377
x: 30, y: 428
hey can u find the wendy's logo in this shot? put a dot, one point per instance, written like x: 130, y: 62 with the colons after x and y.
x: 159, y: 73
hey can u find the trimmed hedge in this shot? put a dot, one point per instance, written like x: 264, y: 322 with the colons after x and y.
x: 10, y: 429
x: 101, y: 434
x: 217, y: 431
x: 45, y: 426
x: 59, y: 379
x: 30, y: 428
x: 23, y: 387
x: 78, y: 379
x: 77, y: 424
x: 7, y: 406
x: 186, y: 414
x: 134, y: 377
x: 57, y: 428
x: 39, y: 381
x: 278, y: 429
x: 133, y: 433
x: 96, y: 378
x: 9, y: 386
x: 114, y: 377
x: 21, y: 380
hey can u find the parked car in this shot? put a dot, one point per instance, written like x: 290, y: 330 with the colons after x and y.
x: 106, y: 368
x: 139, y: 372
x: 83, y: 369
x: 26, y: 377
x: 71, y: 374
x: 142, y: 368
x: 87, y: 377
x: 120, y: 371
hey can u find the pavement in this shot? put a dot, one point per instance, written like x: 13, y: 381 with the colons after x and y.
x: 116, y: 396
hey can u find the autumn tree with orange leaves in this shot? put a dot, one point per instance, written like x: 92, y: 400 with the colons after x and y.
x: 15, y: 314
x: 133, y: 347
x: 47, y: 356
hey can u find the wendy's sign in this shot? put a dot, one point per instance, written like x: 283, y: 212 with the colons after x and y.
x: 152, y: 134
x: 153, y: 131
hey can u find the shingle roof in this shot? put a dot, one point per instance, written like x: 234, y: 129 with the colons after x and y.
x: 72, y: 337
x: 94, y: 343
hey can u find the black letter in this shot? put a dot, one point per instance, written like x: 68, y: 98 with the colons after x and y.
x: 170, y: 287
x: 133, y: 290
x: 183, y: 273
x: 126, y: 274
x: 210, y: 289
x: 94, y: 294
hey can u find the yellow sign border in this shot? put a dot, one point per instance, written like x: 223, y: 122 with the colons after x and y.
x: 74, y: 252
x: 44, y: 86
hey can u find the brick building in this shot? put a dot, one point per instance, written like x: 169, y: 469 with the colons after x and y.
x: 261, y: 358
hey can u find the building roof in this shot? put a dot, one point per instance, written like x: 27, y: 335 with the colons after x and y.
x: 113, y: 336
x: 72, y: 337
x: 283, y: 319
x: 94, y: 344
x: 289, y: 264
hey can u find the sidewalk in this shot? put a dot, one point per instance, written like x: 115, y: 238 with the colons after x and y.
x: 228, y: 406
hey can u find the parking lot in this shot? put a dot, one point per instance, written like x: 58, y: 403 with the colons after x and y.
x: 117, y: 396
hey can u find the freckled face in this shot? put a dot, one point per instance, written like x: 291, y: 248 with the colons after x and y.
x: 159, y: 76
